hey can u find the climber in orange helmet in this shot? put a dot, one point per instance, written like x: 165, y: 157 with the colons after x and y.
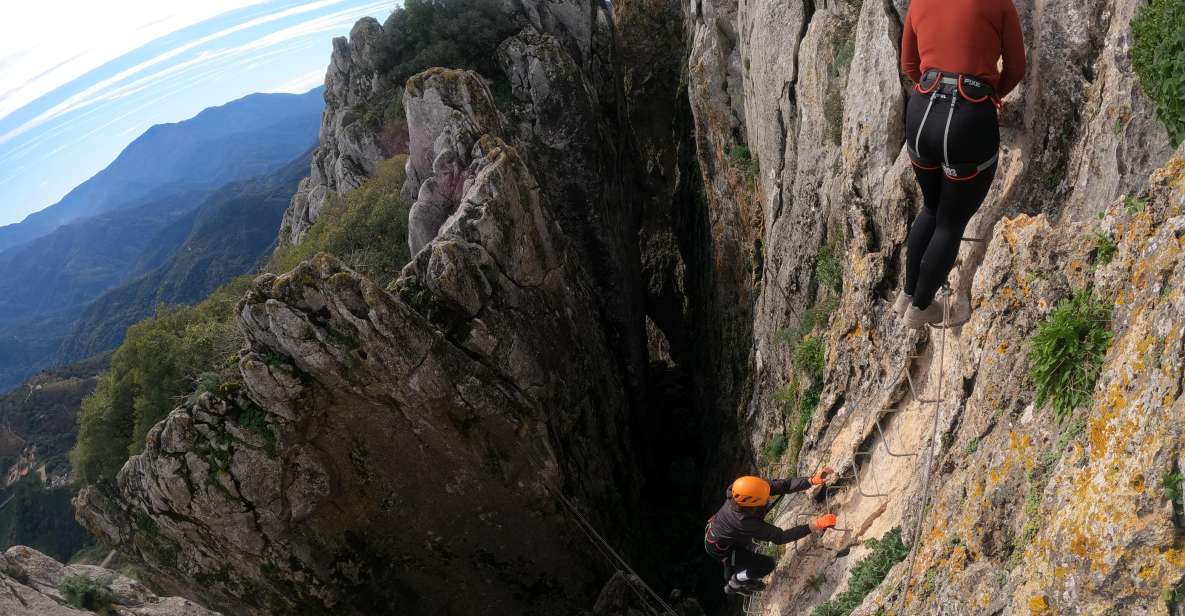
x: 730, y: 534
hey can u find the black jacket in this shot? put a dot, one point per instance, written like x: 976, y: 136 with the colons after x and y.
x: 731, y: 528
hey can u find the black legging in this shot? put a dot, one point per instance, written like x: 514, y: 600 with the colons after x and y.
x: 949, y: 204
x: 738, y: 559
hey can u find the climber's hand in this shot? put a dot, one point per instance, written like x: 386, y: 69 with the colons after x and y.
x: 822, y: 522
x: 822, y: 475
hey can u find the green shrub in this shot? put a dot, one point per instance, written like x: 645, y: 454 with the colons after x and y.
x: 1174, y: 596
x: 867, y: 574
x: 87, y: 593
x: 462, y: 34
x: 829, y: 267
x: 808, y: 356
x: 1104, y: 248
x: 1173, y: 489
x: 741, y: 158
x: 367, y: 229
x: 1158, y: 56
x: 1068, y: 352
x: 1134, y: 205
x: 775, y: 447
x: 185, y: 351
x: 161, y: 361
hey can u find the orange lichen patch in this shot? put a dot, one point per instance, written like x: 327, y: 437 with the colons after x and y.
x: 1137, y: 482
x: 1101, y: 431
x: 1021, y: 445
x: 1007, y: 292
x: 855, y: 332
x: 1081, y: 545
x: 1060, y: 573
x: 1038, y: 606
x: 1003, y: 348
x: 1175, y: 557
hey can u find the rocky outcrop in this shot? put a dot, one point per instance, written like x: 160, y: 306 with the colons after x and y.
x: 426, y: 446
x: 348, y: 149
x: 447, y: 112
x: 32, y: 584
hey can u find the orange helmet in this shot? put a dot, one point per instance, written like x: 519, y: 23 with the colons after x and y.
x: 750, y: 491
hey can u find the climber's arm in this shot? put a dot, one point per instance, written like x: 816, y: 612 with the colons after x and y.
x: 911, y: 60
x: 761, y: 530
x: 789, y: 486
x: 1013, y: 51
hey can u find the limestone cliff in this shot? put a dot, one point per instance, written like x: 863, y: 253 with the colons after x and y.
x: 651, y: 200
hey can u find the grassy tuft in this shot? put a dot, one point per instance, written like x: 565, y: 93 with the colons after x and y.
x: 867, y: 574
x: 1104, y: 248
x: 1068, y: 351
x: 1158, y: 57
x: 86, y: 593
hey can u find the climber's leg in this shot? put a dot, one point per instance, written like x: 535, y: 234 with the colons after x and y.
x: 930, y: 181
x: 960, y: 201
x: 750, y: 567
x: 920, y: 121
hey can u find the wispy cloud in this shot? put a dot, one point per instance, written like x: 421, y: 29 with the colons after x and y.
x: 70, y: 102
x: 38, y: 60
x: 111, y: 88
x: 302, y: 83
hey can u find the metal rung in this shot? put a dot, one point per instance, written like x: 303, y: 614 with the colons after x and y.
x: 914, y: 391
x: 884, y: 437
x: 871, y: 471
x: 885, y: 443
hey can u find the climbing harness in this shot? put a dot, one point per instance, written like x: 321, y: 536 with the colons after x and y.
x: 952, y: 87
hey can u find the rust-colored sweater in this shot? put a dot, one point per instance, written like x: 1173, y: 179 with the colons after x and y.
x: 967, y: 37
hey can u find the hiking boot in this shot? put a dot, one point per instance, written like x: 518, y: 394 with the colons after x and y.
x: 743, y: 589
x: 754, y: 585
x: 917, y: 319
x: 902, y: 304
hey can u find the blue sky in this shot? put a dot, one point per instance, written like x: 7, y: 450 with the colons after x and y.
x: 81, y: 79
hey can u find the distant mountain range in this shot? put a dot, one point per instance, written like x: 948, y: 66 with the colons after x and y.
x: 184, y: 208
x: 235, y: 141
x: 226, y: 236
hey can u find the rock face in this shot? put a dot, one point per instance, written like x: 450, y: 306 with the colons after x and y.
x: 1017, y: 521
x: 31, y: 585
x: 349, y: 151
x: 408, y: 446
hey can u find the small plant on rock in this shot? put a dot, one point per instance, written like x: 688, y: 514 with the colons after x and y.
x: 867, y: 574
x: 1173, y: 488
x: 1104, y: 248
x: 776, y: 447
x: 86, y: 593
x: 829, y: 267
x: 1068, y: 351
x: 808, y: 356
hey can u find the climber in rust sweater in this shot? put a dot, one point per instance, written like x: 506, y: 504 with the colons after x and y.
x: 731, y: 533
x: 952, y: 49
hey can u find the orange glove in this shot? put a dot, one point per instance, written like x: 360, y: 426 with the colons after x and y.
x: 821, y: 476
x: 823, y: 522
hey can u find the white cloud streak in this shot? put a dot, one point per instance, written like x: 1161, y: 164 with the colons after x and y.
x: 114, y: 88
x: 37, y: 60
